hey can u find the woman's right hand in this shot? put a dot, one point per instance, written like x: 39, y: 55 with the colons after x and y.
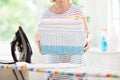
x: 37, y: 41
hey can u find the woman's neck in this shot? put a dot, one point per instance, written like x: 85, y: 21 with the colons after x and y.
x: 63, y: 6
x: 60, y: 7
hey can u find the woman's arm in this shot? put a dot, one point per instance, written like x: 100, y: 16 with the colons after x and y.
x: 87, y: 45
x: 37, y: 40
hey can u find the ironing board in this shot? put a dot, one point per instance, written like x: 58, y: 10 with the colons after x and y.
x: 65, y: 69
x: 9, y: 71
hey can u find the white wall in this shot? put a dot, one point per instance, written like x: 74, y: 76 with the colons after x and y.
x: 98, y: 12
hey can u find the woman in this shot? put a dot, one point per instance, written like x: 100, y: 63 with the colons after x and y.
x: 64, y: 9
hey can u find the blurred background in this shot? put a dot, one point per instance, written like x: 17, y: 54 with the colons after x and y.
x: 101, y: 15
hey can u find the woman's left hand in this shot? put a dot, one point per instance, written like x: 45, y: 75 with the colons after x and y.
x: 88, y: 42
x: 87, y: 45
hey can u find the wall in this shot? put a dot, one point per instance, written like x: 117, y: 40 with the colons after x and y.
x: 98, y: 12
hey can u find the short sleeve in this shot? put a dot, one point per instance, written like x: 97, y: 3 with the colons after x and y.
x: 42, y: 14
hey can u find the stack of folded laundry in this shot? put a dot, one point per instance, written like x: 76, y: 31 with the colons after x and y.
x: 62, y: 36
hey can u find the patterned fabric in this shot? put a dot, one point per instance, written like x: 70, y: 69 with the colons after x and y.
x: 62, y: 42
x: 74, y: 12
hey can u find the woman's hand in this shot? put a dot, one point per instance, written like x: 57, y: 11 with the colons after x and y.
x: 87, y: 45
x: 88, y: 42
x: 37, y: 41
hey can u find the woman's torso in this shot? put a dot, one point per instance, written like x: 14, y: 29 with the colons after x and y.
x: 74, y: 12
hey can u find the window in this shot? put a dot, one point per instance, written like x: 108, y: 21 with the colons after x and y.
x: 14, y: 13
x: 116, y: 14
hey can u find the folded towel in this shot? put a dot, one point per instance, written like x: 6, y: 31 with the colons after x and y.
x: 62, y: 22
x: 62, y: 36
x: 67, y: 27
x: 62, y: 41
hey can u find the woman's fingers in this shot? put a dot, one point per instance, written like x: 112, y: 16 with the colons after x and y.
x: 37, y: 41
x: 86, y: 47
x: 39, y: 48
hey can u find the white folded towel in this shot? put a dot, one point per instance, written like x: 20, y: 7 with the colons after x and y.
x: 62, y: 36
x: 62, y: 22
x: 63, y: 27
